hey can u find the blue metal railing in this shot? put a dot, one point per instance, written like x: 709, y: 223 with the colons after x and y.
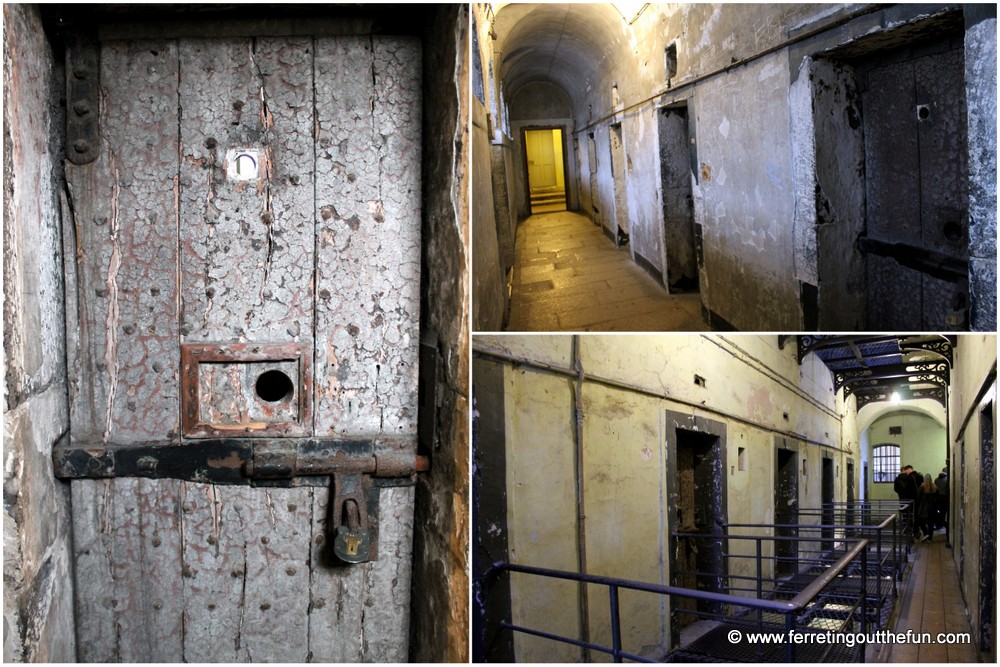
x: 790, y: 610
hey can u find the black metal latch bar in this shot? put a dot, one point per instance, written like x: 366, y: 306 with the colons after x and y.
x: 245, y: 461
x: 355, y: 469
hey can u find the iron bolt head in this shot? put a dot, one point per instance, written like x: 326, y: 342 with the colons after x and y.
x: 80, y: 70
x: 81, y: 145
x: 81, y: 107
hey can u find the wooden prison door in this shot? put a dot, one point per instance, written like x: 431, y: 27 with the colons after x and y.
x: 253, y: 209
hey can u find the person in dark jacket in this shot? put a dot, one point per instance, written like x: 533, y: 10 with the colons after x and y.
x: 926, y: 505
x: 942, y: 497
x: 906, y: 488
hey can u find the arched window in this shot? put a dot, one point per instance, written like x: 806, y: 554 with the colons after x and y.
x: 885, y: 463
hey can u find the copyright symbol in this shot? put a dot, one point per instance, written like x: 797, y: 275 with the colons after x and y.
x: 735, y: 636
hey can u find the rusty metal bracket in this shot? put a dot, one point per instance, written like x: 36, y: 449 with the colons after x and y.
x: 281, y: 462
x: 83, y: 100
x: 195, y: 357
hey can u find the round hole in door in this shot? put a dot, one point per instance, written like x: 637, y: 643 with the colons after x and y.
x: 274, y: 386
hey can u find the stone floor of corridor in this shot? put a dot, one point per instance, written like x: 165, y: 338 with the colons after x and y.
x: 568, y: 276
x: 932, y: 602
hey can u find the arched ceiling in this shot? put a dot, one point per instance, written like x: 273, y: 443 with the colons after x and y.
x: 870, y: 413
x: 562, y: 44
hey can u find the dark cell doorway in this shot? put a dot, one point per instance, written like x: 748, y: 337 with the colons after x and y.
x: 987, y: 535
x: 916, y: 243
x: 699, y: 508
x: 864, y: 486
x: 678, y: 203
x: 849, y: 515
x: 592, y: 154
x: 618, y: 159
x: 826, y: 492
x: 786, y: 509
x: 543, y: 151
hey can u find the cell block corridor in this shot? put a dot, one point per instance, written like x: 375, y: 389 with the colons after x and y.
x: 713, y: 498
x: 790, y: 167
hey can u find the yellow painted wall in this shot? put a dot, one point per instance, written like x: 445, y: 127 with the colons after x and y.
x: 624, y: 488
x: 541, y: 510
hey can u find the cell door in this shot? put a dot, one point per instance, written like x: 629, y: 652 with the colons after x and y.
x: 618, y: 160
x: 678, y: 201
x: 917, y: 241
x: 243, y: 321
x: 849, y: 515
x: 696, y: 487
x: 786, y: 508
x: 592, y: 154
x: 828, y: 516
x: 987, y: 533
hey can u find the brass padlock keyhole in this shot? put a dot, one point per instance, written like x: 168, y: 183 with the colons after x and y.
x: 351, y: 538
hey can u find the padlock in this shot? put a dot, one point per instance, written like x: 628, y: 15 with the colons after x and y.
x: 352, y: 546
x: 352, y: 538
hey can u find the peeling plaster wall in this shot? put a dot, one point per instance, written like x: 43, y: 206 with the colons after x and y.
x: 604, y: 198
x: 489, y: 295
x: 743, y: 198
x: 489, y: 292
x: 743, y: 191
x: 973, y: 387
x: 503, y: 201
x: 644, y: 210
x: 439, y: 611
x: 981, y: 103
x: 38, y: 589
x: 755, y: 389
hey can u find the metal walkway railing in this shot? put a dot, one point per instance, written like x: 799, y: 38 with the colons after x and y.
x: 728, y: 611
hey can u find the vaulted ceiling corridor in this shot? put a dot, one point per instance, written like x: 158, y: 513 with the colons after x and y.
x: 801, y: 167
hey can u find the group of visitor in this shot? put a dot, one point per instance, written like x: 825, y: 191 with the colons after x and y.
x: 929, y: 510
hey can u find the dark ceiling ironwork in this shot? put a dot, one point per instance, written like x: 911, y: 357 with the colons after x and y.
x: 874, y: 368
